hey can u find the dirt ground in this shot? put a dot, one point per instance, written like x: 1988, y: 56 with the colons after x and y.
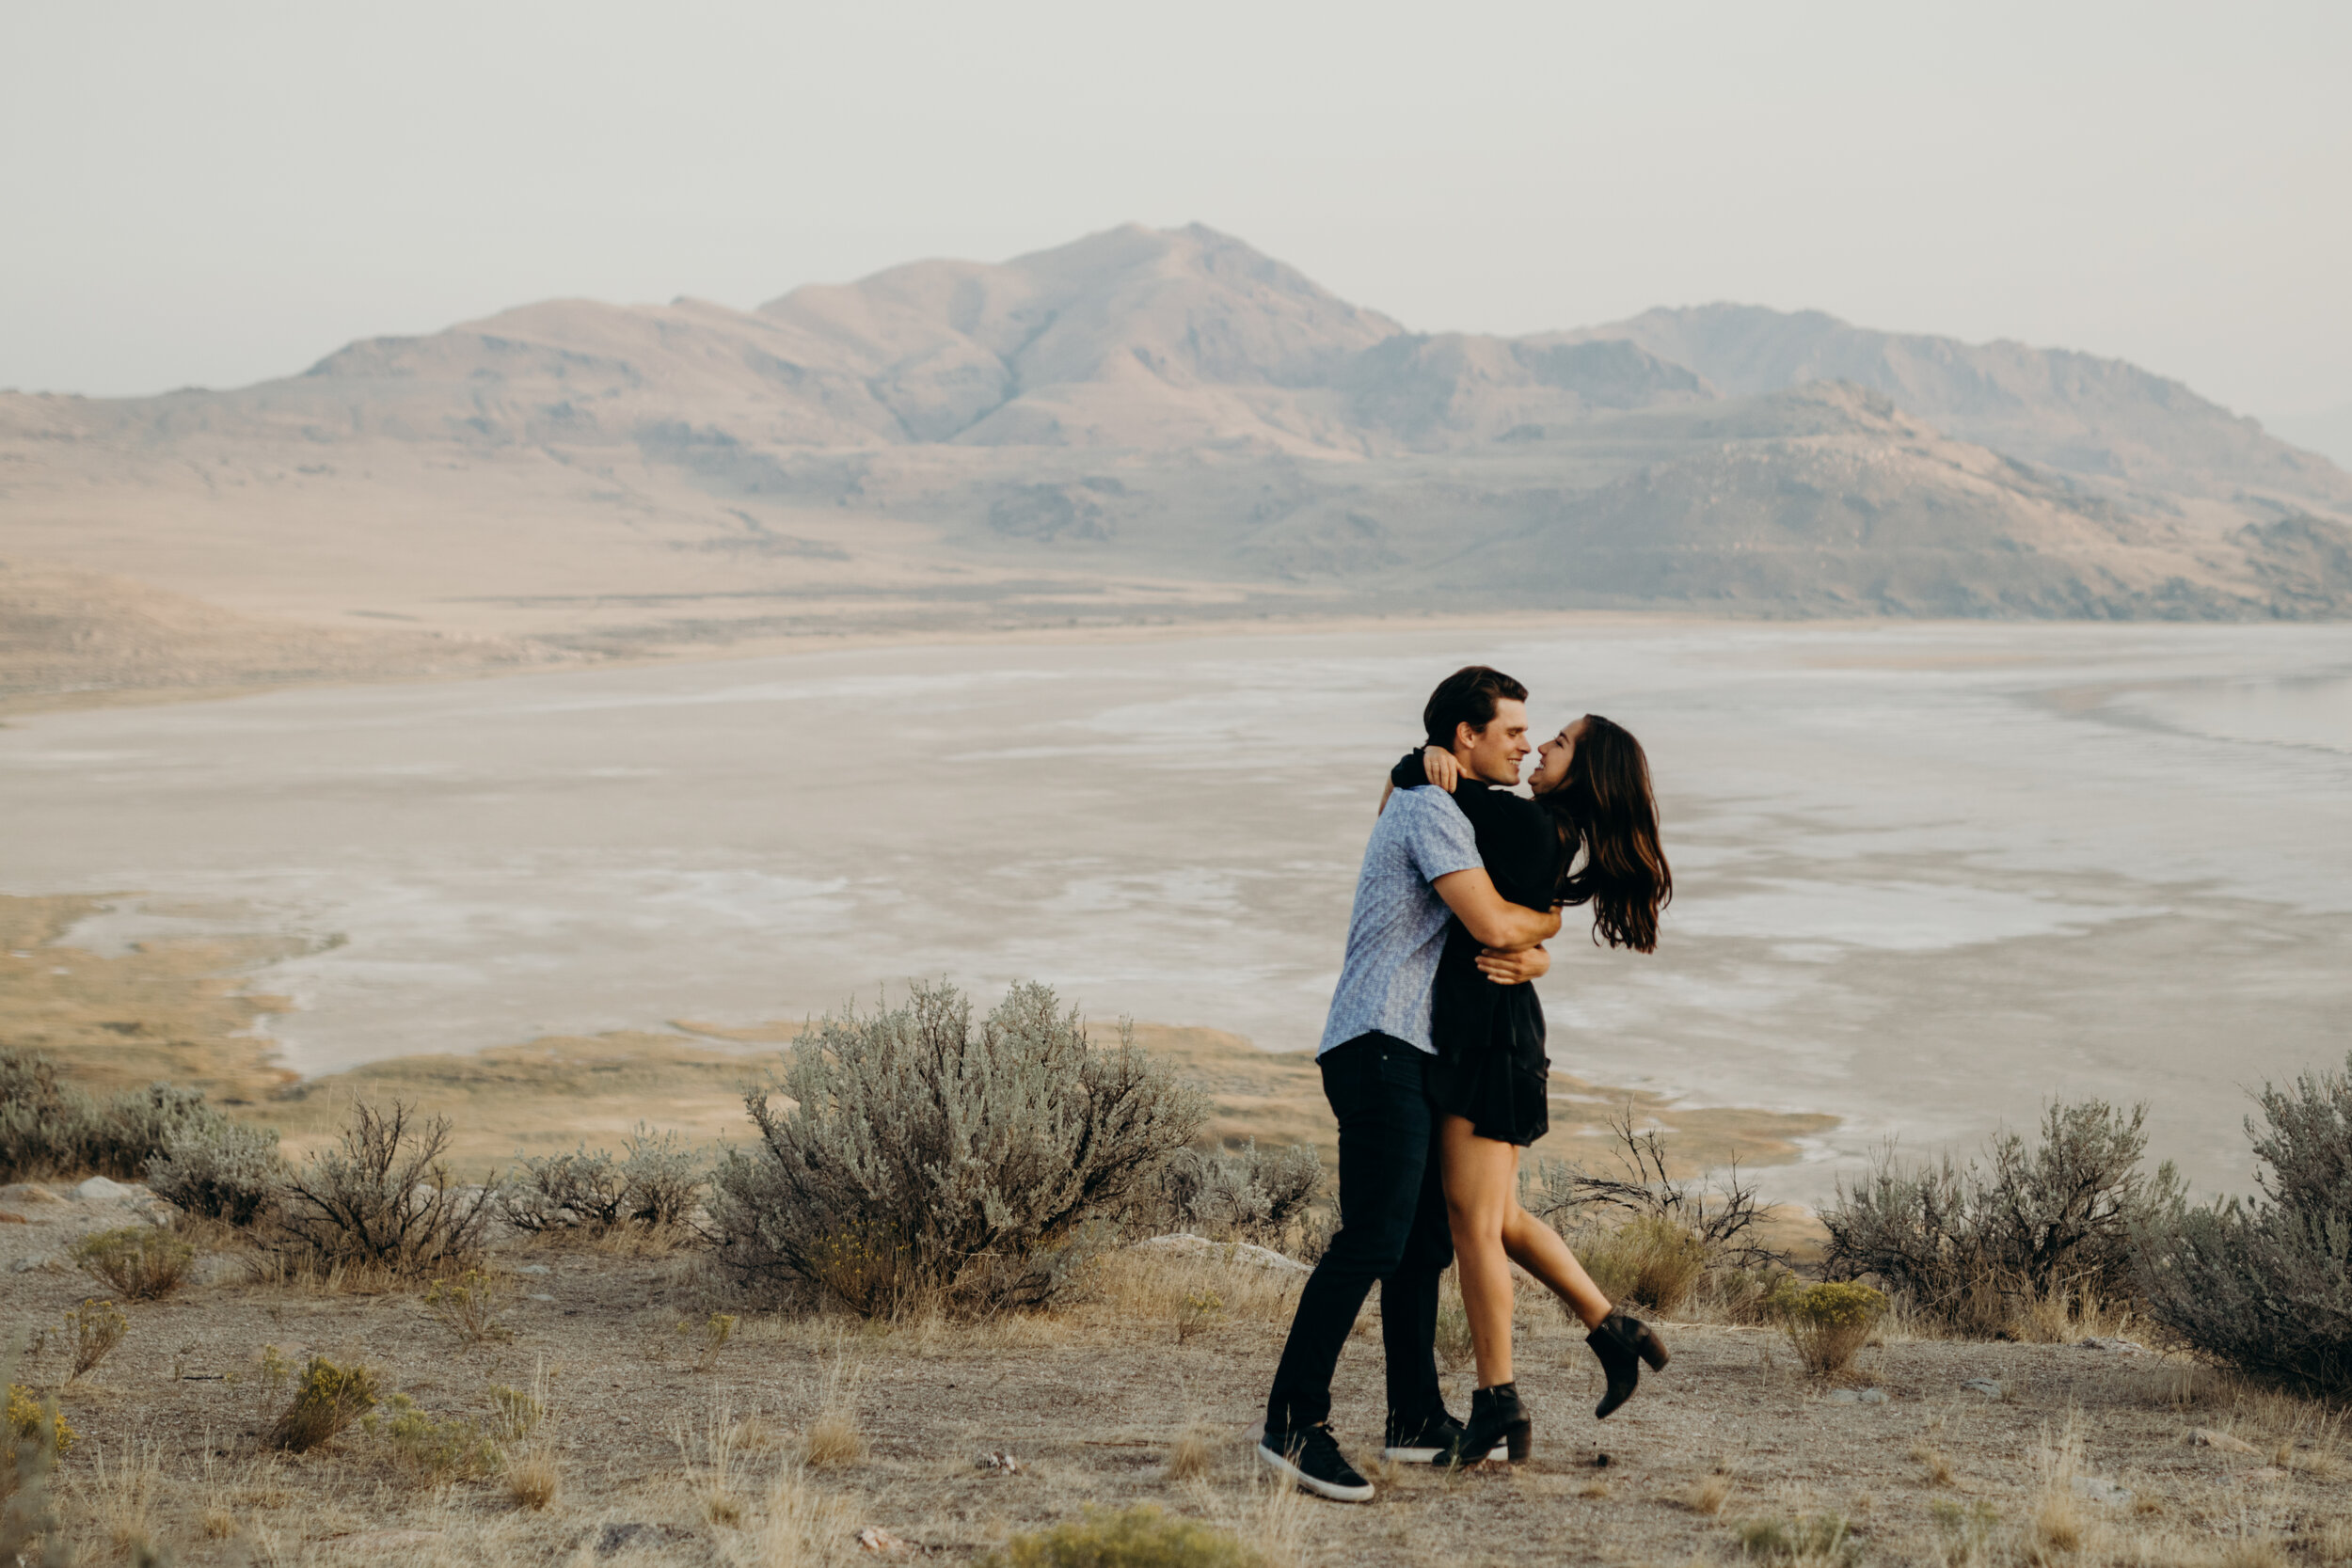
x: 801, y: 1432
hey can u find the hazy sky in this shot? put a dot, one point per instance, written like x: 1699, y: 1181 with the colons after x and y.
x: 217, y: 193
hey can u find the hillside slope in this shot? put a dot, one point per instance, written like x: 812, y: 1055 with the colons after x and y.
x: 2073, y: 411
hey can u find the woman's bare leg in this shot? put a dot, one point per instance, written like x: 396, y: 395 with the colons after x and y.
x: 1537, y: 1248
x: 1481, y: 1179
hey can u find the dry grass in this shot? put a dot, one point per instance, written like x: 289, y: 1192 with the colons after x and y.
x: 1801, y: 1542
x: 2060, y: 1523
x: 804, y: 1525
x: 122, y: 1497
x: 1938, y: 1468
x: 1101, y: 1406
x: 710, y: 1457
x: 1456, y: 1349
x: 2064, y: 1317
x: 1189, y: 1459
x: 1150, y: 1286
x: 1707, y: 1493
x: 710, y: 1339
x: 533, y: 1479
x: 1274, y: 1520
x: 834, y: 1436
x: 1648, y: 1261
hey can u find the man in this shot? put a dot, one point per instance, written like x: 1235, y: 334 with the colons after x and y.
x: 1421, y: 863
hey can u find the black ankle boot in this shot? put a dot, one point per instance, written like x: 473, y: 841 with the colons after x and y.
x: 1496, y: 1416
x: 1623, y: 1343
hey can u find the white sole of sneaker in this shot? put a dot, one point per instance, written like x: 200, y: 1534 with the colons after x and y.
x: 1282, y: 1466
x: 1425, y: 1456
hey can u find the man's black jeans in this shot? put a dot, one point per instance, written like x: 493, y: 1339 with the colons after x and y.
x: 1392, y: 1229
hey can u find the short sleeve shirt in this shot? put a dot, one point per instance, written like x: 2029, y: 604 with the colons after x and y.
x: 1397, y: 930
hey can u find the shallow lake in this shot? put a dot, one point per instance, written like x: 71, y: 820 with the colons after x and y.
x: 1929, y: 875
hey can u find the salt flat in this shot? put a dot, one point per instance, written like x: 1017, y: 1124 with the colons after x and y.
x: 1931, y: 875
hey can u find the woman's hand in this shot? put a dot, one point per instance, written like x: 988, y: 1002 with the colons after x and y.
x: 1514, y: 967
x: 1438, y: 764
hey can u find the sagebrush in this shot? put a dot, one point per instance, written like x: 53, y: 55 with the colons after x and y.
x: 1976, y: 1245
x: 923, y: 1157
x: 227, y: 1171
x: 383, y: 1197
x: 655, y: 1181
x: 50, y: 1128
x: 2266, y: 1285
x: 1724, y: 1217
x: 1246, y: 1194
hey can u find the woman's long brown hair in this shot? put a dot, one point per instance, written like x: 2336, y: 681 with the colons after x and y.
x: 1605, y: 805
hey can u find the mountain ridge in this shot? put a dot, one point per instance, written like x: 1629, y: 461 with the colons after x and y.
x: 1153, y: 424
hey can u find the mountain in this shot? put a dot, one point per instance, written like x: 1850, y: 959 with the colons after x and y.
x: 1830, y: 497
x: 2327, y: 431
x: 1133, y: 338
x: 2071, y: 411
x: 1147, y: 425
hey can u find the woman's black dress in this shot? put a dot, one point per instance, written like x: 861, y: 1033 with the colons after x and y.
x: 1491, y: 1069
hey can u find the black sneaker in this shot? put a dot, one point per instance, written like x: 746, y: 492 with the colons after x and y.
x: 1418, y: 1445
x: 1310, y: 1456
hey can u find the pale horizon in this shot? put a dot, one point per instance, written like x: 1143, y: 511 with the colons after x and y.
x: 218, y: 199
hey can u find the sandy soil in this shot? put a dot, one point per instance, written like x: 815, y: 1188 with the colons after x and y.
x: 73, y: 639
x: 657, y: 1462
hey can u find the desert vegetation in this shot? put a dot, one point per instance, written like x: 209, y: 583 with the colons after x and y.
x: 49, y: 1127
x: 1989, y: 1247
x: 2267, y: 1285
x: 640, y: 1356
x: 923, y: 1159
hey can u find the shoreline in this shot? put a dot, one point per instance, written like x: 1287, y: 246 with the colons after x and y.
x: 182, y: 1011
x: 1168, y: 629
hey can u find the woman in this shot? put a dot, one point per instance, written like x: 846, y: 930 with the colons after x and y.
x: 1592, y: 796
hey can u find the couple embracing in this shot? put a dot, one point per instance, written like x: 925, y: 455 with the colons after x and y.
x: 1433, y: 1060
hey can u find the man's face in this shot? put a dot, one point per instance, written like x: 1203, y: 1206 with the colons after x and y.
x: 1495, y: 752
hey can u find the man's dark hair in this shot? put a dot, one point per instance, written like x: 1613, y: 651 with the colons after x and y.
x: 1467, y: 696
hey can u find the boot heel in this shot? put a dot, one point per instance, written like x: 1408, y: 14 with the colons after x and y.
x: 1650, y: 1348
x: 1497, y: 1420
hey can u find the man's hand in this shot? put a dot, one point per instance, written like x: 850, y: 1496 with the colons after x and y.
x: 1442, y: 770
x: 1514, y: 966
